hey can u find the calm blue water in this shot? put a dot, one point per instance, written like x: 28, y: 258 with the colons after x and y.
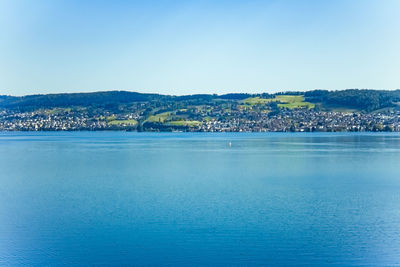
x: 115, y: 198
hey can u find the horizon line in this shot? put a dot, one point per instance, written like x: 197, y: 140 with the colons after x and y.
x: 218, y: 94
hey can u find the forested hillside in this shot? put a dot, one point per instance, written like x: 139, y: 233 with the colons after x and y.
x: 362, y: 100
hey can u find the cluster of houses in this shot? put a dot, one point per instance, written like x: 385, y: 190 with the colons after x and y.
x: 37, y: 121
x: 211, y: 119
x: 303, y: 120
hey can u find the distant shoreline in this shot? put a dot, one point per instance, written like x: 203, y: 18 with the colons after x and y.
x: 349, y: 110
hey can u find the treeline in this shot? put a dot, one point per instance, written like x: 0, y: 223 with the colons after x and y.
x: 363, y: 100
x: 32, y: 102
x: 102, y: 99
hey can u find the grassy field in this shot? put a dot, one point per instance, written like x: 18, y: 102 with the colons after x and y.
x: 257, y: 100
x: 123, y: 122
x: 184, y: 123
x: 162, y: 117
x: 289, y: 101
x: 110, y: 118
x: 290, y: 98
x: 293, y: 101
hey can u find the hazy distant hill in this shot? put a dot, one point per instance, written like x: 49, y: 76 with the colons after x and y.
x: 101, y: 99
x: 363, y: 100
x: 75, y: 99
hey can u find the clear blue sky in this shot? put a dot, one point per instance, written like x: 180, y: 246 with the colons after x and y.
x: 186, y: 47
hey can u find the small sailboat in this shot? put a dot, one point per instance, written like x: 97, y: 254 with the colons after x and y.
x: 230, y: 144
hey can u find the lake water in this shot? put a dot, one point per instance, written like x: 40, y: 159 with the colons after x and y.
x: 117, y: 198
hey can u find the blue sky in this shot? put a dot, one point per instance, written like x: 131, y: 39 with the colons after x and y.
x: 187, y: 47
